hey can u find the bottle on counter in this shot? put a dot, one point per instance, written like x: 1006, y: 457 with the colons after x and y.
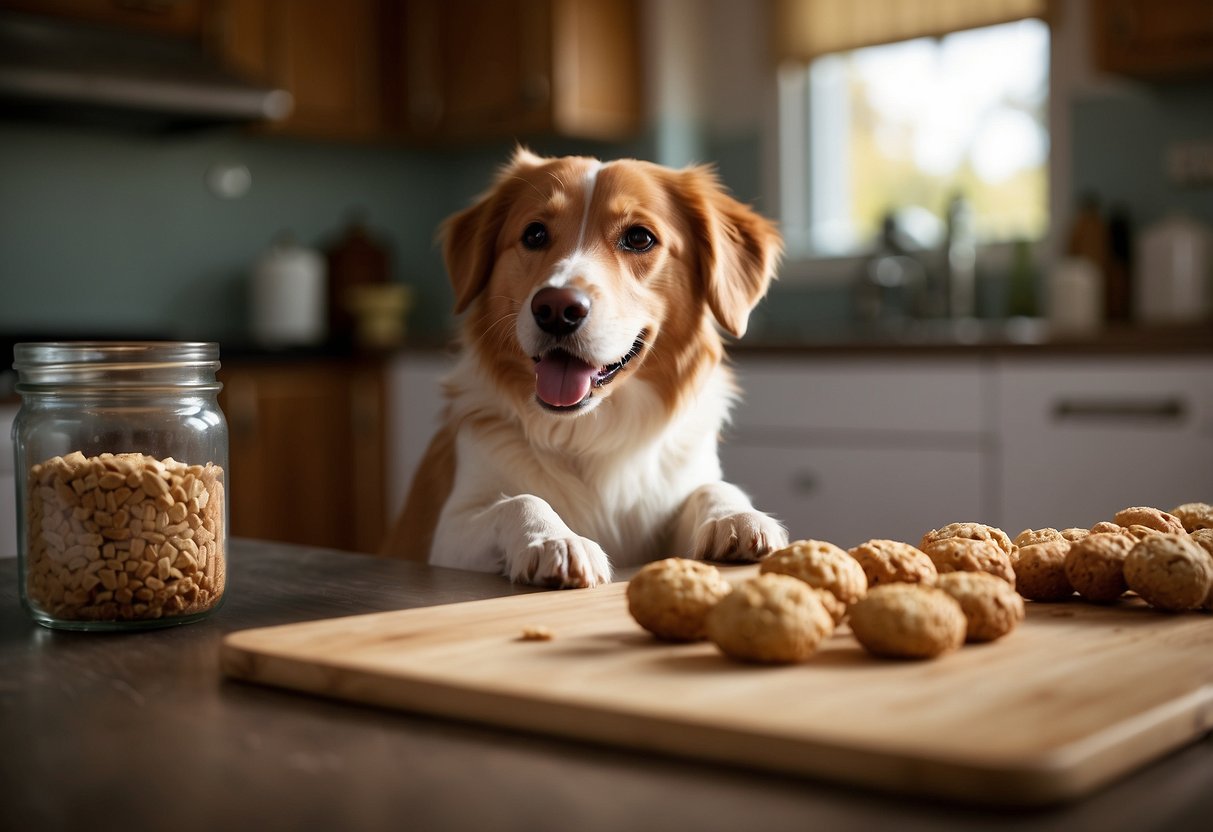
x: 892, y: 281
x: 289, y: 296
x: 357, y: 260
x: 960, y: 259
x: 1118, y: 293
x: 1022, y: 301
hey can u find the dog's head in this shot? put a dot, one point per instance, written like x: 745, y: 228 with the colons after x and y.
x: 579, y: 275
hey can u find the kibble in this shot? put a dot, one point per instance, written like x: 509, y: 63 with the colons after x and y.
x: 124, y: 537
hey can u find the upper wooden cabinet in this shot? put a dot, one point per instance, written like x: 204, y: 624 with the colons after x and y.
x: 425, y: 70
x: 1153, y: 39
x: 167, y: 17
x: 325, y: 54
x: 511, y: 68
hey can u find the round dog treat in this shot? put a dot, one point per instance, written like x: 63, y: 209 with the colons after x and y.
x: 908, y: 621
x: 1040, y: 572
x: 772, y: 618
x: 972, y: 531
x: 1030, y: 537
x: 1095, y: 566
x: 991, y: 606
x: 821, y: 565
x: 1107, y: 527
x: 1204, y: 539
x: 1194, y: 516
x: 670, y: 598
x: 837, y: 609
x: 1169, y: 571
x: 1151, y: 518
x: 891, y: 561
x: 1073, y: 534
x: 962, y: 554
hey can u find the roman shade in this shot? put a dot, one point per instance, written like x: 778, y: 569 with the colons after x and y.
x: 805, y: 29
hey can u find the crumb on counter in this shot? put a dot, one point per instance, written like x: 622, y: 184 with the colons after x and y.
x: 537, y: 632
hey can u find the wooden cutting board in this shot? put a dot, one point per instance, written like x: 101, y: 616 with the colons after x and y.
x: 1077, y: 696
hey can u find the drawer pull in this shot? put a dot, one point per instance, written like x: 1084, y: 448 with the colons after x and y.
x: 1120, y: 410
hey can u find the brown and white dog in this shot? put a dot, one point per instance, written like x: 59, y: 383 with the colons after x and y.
x: 583, y: 413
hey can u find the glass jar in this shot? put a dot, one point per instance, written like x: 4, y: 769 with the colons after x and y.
x: 121, y: 450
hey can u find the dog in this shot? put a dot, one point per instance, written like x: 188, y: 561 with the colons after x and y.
x: 583, y: 413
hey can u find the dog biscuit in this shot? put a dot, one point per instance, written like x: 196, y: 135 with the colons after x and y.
x: 772, y: 618
x: 823, y: 566
x: 891, y: 561
x: 670, y: 598
x: 1194, y: 516
x: 1029, y: 537
x: 1040, y: 572
x: 1149, y: 517
x: 1095, y: 566
x: 971, y: 531
x: 962, y: 554
x: 908, y: 621
x: 991, y: 606
x: 1170, y: 572
x: 1204, y: 539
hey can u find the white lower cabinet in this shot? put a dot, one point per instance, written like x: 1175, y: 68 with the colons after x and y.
x: 1081, y: 438
x: 850, y: 449
x: 849, y: 494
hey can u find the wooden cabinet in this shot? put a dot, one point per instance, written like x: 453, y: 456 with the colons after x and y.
x: 1155, y: 39
x: 1082, y: 438
x: 511, y: 68
x: 307, y: 451
x: 166, y: 17
x: 850, y: 449
x: 326, y: 55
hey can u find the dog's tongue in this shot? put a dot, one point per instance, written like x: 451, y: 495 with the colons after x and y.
x: 562, y: 379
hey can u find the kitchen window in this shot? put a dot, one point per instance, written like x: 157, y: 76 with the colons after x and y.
x: 901, y: 128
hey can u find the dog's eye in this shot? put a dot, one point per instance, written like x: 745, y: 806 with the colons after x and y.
x: 638, y: 238
x: 535, y: 235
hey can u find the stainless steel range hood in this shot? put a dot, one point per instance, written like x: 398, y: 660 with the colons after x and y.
x: 63, y: 69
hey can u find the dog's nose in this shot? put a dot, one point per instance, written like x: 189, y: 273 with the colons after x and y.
x: 560, y: 310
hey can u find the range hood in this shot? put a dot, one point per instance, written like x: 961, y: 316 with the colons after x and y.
x: 62, y: 69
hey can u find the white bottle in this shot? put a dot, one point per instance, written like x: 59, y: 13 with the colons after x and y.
x: 1075, y: 297
x: 1172, y: 272
x: 289, y: 296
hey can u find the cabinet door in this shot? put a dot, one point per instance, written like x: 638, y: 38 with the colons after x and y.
x: 1082, y: 439
x: 510, y: 68
x: 325, y: 54
x: 1153, y: 38
x: 847, y: 495
x: 306, y: 453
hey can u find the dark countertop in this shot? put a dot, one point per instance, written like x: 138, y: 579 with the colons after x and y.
x: 141, y: 732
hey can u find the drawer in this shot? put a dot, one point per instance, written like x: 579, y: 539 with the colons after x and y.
x: 847, y: 495
x: 1081, y: 439
x: 945, y: 395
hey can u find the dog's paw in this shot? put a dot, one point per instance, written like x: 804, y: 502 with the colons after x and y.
x: 565, y: 562
x: 746, y: 536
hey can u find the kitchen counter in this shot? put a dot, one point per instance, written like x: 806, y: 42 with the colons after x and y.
x: 1018, y: 337
x: 141, y: 732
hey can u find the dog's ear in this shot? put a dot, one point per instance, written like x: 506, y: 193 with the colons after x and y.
x: 738, y: 249
x: 469, y: 238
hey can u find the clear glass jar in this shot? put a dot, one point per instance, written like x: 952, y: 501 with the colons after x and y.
x: 121, y: 450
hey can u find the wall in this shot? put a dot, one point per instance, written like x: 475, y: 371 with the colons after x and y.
x: 111, y: 233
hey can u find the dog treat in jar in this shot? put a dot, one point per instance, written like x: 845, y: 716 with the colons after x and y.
x: 121, y: 450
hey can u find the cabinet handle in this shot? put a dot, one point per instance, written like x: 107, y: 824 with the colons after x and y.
x: 1120, y: 410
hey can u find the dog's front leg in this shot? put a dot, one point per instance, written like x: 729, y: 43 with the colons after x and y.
x: 534, y: 544
x: 717, y: 522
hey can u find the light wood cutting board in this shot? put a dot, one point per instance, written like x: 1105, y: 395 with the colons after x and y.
x: 1077, y: 696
